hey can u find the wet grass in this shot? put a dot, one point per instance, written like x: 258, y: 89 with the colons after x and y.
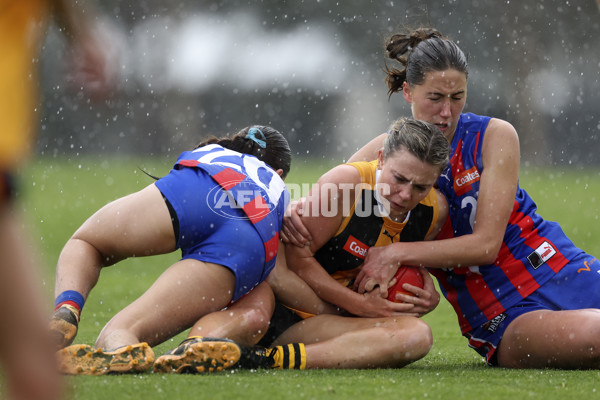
x: 58, y: 195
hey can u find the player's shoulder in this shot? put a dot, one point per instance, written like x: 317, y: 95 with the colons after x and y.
x: 500, y: 136
x: 500, y: 127
x: 341, y: 174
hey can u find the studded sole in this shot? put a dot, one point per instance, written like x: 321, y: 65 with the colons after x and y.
x: 81, y: 359
x: 200, y: 357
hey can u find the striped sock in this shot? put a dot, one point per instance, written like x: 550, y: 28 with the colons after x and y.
x: 289, y: 356
x: 72, y: 300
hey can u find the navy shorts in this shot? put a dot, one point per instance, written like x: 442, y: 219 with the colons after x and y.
x: 576, y: 286
x: 205, y: 234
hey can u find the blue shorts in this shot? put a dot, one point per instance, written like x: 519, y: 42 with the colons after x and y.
x: 576, y: 286
x: 208, y: 236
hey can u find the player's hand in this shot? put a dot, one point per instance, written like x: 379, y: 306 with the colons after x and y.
x: 293, y: 230
x: 378, y: 270
x: 94, y: 63
x: 425, y: 299
x: 375, y: 306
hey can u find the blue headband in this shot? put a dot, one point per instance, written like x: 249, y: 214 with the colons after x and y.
x: 252, y: 136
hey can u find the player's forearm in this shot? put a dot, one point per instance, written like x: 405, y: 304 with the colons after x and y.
x: 447, y: 253
x: 325, y: 286
x: 294, y: 292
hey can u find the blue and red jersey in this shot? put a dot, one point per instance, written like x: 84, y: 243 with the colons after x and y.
x: 255, y: 188
x: 532, y: 252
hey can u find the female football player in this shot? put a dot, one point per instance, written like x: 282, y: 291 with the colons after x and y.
x: 222, y: 204
x: 352, y: 209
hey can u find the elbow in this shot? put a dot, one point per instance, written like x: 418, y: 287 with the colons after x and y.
x: 489, y: 251
x: 487, y: 259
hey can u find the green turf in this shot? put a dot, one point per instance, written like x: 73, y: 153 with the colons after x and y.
x: 59, y: 194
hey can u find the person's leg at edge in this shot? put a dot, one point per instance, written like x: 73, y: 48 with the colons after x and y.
x: 555, y: 339
x: 333, y: 341
x: 26, y: 351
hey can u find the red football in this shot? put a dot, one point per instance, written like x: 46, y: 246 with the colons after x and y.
x: 405, y: 274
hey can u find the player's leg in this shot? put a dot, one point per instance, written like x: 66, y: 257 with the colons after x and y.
x: 245, y: 321
x: 215, y: 341
x: 333, y: 341
x: 559, y: 324
x: 185, y: 292
x: 555, y: 339
x: 136, y: 225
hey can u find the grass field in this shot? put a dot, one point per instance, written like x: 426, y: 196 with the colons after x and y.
x: 59, y: 194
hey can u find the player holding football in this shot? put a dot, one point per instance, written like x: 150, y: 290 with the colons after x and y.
x: 524, y: 294
x: 353, y: 207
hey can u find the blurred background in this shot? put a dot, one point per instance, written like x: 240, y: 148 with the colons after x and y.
x: 313, y: 69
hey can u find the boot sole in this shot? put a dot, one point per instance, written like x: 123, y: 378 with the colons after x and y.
x: 81, y: 359
x: 200, y: 357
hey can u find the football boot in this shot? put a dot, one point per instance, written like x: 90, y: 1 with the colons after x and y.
x: 82, y: 359
x: 63, y: 327
x: 199, y: 355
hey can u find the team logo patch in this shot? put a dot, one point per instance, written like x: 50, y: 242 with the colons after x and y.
x: 492, y: 325
x: 356, y: 247
x: 540, y: 255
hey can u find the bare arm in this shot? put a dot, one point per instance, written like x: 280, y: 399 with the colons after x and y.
x: 294, y: 292
x: 496, y: 198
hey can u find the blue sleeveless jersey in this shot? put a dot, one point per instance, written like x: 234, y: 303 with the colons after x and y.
x: 532, y: 252
x: 254, y: 187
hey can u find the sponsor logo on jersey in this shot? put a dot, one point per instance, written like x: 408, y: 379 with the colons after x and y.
x: 540, y: 255
x: 356, y: 247
x: 463, y: 181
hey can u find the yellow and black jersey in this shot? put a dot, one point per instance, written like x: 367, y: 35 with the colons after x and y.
x: 364, y: 227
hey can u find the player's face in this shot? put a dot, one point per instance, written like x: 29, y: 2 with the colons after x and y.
x: 439, y: 100
x: 404, y: 182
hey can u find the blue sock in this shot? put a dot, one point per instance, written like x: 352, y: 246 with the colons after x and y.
x: 72, y: 300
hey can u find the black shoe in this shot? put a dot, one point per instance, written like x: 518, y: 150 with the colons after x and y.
x: 257, y: 357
